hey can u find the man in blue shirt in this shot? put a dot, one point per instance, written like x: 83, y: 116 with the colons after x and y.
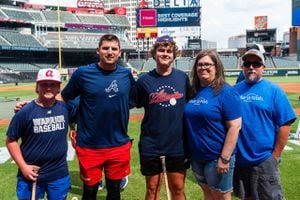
x: 267, y: 117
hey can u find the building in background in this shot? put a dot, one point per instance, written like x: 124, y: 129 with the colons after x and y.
x: 285, y: 44
x: 208, y: 44
x: 296, y: 25
x: 298, y: 44
x: 237, y: 41
x: 130, y: 6
x: 293, y: 40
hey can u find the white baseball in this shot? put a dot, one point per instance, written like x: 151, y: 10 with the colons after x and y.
x: 173, y: 101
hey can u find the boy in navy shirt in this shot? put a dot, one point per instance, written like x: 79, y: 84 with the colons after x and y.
x: 42, y: 127
x: 162, y: 92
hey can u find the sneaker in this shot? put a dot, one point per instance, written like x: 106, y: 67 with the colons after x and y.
x: 101, y: 185
x: 124, y: 182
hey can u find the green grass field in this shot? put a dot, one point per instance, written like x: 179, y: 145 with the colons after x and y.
x: 135, y: 190
x: 290, y: 165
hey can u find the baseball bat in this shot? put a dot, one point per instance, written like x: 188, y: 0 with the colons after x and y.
x: 163, y: 163
x: 33, y: 190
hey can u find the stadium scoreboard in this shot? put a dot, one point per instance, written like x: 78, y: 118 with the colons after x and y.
x: 266, y: 37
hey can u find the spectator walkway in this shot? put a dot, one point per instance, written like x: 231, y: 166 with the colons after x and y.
x: 4, y: 154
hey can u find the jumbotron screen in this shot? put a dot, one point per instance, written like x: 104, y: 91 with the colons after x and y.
x: 261, y: 36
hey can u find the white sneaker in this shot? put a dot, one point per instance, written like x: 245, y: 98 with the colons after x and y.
x: 101, y: 185
x: 124, y: 182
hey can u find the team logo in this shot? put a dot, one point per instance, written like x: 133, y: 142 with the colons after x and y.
x: 165, y: 96
x: 49, y: 73
x: 112, y: 89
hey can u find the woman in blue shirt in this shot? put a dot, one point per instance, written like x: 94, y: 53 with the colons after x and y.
x: 213, y: 119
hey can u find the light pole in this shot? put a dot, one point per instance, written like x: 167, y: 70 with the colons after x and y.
x: 59, y: 36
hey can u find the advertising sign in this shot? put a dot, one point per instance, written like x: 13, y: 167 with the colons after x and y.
x: 261, y: 22
x: 169, y: 17
x: 147, y: 17
x: 147, y: 32
x: 90, y: 4
x: 175, y: 3
x: 120, y: 10
x: 179, y: 31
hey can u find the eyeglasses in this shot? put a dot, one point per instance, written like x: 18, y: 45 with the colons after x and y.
x: 256, y: 64
x: 204, y: 65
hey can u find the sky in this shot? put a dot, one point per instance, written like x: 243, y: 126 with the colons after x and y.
x: 222, y: 19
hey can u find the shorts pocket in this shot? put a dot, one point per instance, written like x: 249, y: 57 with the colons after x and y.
x: 274, y: 161
x: 269, y: 187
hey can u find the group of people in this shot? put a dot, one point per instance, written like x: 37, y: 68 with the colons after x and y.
x: 226, y: 133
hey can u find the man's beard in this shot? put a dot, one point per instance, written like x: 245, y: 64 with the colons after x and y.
x: 251, y: 78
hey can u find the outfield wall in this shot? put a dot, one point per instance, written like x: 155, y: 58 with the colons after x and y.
x: 268, y: 72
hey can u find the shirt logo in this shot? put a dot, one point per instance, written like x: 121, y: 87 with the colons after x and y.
x: 251, y: 97
x: 111, y: 95
x: 165, y: 96
x: 199, y: 101
x: 48, y: 124
x: 112, y: 89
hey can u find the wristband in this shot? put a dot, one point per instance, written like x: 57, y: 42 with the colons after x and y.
x: 224, y: 161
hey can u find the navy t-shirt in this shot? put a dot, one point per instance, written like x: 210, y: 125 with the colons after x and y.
x: 104, y: 105
x: 163, y: 98
x: 43, y: 133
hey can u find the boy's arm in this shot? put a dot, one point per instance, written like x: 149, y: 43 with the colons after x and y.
x: 29, y: 171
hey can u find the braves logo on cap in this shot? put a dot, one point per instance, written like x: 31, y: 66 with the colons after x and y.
x: 49, y: 73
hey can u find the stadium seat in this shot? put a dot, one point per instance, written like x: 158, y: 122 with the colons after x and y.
x: 17, y: 14
x: 20, y: 40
